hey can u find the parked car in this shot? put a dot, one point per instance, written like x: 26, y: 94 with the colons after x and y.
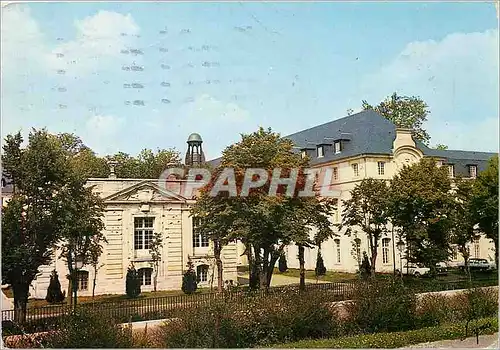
x: 441, y: 268
x: 416, y: 270
x: 477, y: 264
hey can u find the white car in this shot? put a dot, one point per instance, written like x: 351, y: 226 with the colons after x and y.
x: 414, y: 270
x: 478, y: 264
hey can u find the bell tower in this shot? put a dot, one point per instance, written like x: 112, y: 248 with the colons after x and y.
x: 194, y: 155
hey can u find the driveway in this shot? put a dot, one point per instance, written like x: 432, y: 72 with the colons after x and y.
x: 485, y: 342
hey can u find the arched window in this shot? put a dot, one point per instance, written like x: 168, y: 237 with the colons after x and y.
x: 82, y: 280
x: 385, y: 250
x: 145, y: 276
x: 337, y: 251
x: 202, y: 273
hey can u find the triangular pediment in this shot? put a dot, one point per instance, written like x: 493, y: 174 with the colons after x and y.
x: 144, y: 192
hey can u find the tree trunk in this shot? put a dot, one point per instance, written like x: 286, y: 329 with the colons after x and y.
x: 94, y: 282
x: 373, y: 257
x: 274, y: 259
x: 252, y: 269
x: 155, y: 278
x: 218, y: 262
x: 70, y: 289
x: 20, y: 290
x: 302, y: 268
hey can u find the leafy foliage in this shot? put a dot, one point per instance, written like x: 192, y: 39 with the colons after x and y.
x: 147, y: 165
x: 404, y: 112
x: 368, y: 209
x: 421, y: 206
x: 155, y: 246
x: 485, y: 202
x: 189, y: 280
x: 132, y: 283
x: 54, y: 292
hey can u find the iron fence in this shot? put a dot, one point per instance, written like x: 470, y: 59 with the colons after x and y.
x: 42, y: 318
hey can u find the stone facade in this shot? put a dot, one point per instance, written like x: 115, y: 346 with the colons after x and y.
x: 134, y: 208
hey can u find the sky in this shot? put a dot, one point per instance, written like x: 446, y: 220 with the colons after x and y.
x: 129, y: 76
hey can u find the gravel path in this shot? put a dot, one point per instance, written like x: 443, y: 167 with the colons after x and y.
x: 485, y: 342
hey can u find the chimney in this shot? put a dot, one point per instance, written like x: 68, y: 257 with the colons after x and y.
x: 403, y: 138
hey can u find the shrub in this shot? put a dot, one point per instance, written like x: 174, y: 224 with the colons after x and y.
x: 282, y: 266
x: 382, y: 306
x: 259, y: 321
x: 54, y: 292
x: 189, y: 280
x: 88, y: 330
x: 132, y: 283
x: 320, y: 266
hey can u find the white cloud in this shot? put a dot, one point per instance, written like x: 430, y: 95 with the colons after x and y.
x: 209, y: 108
x: 457, y: 77
x: 102, y: 131
x: 97, y: 40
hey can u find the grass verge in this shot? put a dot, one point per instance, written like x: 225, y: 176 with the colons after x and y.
x: 393, y: 340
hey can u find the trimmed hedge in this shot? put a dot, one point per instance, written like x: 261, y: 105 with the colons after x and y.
x: 447, y: 331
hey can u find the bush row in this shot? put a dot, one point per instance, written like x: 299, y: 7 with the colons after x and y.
x: 280, y: 318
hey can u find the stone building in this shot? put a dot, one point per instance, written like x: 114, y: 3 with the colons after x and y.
x: 366, y: 145
x: 134, y: 209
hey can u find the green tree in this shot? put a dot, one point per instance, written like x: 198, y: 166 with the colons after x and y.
x: 147, y: 165
x: 132, y: 282
x: 462, y: 218
x: 369, y: 209
x: 155, y: 246
x: 95, y: 252
x: 264, y: 223
x: 421, y: 205
x: 189, y: 280
x: 54, y: 292
x: 404, y: 112
x: 441, y: 147
x: 485, y: 202
x: 31, y: 220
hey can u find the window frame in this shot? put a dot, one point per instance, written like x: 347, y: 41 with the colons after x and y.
x: 202, y: 270
x: 472, y: 166
x: 337, y: 147
x: 385, y: 250
x: 355, y: 169
x: 338, y: 252
x: 451, y: 170
x: 200, y: 240
x: 318, y: 153
x: 82, y: 280
x: 381, y: 168
x: 335, y: 173
x: 144, y: 277
x: 143, y: 234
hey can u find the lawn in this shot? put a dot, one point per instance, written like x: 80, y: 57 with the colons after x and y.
x: 446, y: 331
x: 331, y: 276
x: 108, y: 297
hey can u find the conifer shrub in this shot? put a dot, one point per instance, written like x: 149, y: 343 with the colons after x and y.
x: 320, y: 266
x: 132, y: 283
x: 189, y: 280
x: 282, y: 265
x: 54, y: 292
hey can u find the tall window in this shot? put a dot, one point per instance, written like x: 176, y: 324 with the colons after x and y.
x: 199, y: 239
x: 357, y: 243
x: 335, y: 173
x: 451, y: 170
x: 337, y: 147
x: 82, y: 280
x: 143, y: 232
x: 202, y: 273
x: 337, y: 249
x: 381, y: 168
x: 454, y: 253
x: 355, y: 169
x: 476, y: 248
x: 385, y: 250
x: 145, y: 276
x: 320, y: 151
x: 472, y: 171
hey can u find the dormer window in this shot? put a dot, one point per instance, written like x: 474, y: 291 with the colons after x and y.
x: 337, y: 147
x: 473, y: 171
x: 320, y: 151
x: 303, y: 154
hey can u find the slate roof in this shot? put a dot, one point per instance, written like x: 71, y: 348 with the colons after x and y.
x: 370, y: 133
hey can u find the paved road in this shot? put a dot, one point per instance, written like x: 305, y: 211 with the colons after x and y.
x: 485, y: 342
